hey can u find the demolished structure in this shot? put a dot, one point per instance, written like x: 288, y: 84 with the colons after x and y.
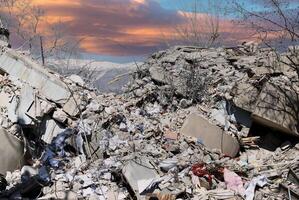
x: 188, y: 126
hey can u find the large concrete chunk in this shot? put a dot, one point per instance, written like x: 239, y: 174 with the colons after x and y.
x: 140, y: 174
x: 245, y: 96
x: 22, y: 108
x: 26, y: 101
x: 12, y: 152
x: 71, y: 107
x: 158, y: 74
x: 211, y: 136
x: 4, y: 99
x: 30, y: 72
x: 52, y: 129
x: 276, y: 108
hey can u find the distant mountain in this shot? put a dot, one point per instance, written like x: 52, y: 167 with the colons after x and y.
x: 105, y: 76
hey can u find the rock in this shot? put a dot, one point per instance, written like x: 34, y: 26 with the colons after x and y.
x: 52, y: 129
x: 168, y: 164
x: 60, y: 116
x: 184, y: 103
x: 76, y: 79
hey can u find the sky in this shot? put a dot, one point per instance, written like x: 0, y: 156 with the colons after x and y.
x: 126, y: 29
x: 118, y: 27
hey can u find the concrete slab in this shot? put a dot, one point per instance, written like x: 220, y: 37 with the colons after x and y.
x: 71, y: 106
x: 245, y: 96
x: 52, y: 129
x: 4, y: 99
x: 26, y: 100
x: 211, y: 136
x: 35, y: 75
x: 139, y: 172
x: 12, y: 152
x: 275, y: 109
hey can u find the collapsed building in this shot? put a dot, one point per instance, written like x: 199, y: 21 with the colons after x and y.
x: 190, y: 125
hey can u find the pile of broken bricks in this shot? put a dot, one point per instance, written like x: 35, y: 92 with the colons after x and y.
x: 62, y: 140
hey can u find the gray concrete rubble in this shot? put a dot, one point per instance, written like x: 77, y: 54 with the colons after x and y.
x: 193, y: 123
x: 141, y: 175
x: 12, y: 152
x: 237, y: 75
x: 210, y: 135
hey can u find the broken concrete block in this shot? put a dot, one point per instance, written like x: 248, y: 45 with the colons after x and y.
x: 210, y: 135
x: 158, y: 74
x: 72, y: 105
x: 4, y: 99
x: 12, y: 152
x: 245, y: 96
x: 12, y: 110
x: 276, y: 108
x: 76, y: 79
x: 30, y: 72
x: 26, y: 107
x: 26, y: 100
x: 52, y: 129
x: 60, y: 116
x: 45, y: 107
x: 40, y: 108
x: 140, y: 174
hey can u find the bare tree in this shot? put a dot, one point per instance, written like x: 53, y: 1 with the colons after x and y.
x: 23, y: 18
x: 45, y: 41
x: 279, y: 20
x: 200, y: 26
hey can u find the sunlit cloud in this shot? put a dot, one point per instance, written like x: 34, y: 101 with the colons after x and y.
x: 125, y: 27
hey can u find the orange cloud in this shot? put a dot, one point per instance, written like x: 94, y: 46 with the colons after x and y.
x: 124, y: 27
x: 107, y: 26
x: 56, y: 2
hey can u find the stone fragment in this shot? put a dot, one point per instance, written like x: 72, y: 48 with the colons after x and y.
x: 140, y: 175
x: 12, y: 152
x: 275, y: 108
x: 245, y: 96
x: 76, y: 79
x: 4, y: 99
x: 60, y: 116
x: 51, y: 130
x: 28, y: 71
x: 210, y: 135
x: 72, y: 106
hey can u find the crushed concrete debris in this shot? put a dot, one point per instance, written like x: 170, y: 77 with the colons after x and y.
x: 184, y: 129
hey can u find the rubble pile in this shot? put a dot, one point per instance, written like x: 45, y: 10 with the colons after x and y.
x: 181, y: 130
x: 237, y: 79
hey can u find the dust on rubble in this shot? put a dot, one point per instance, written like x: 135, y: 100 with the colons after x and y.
x: 193, y: 123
